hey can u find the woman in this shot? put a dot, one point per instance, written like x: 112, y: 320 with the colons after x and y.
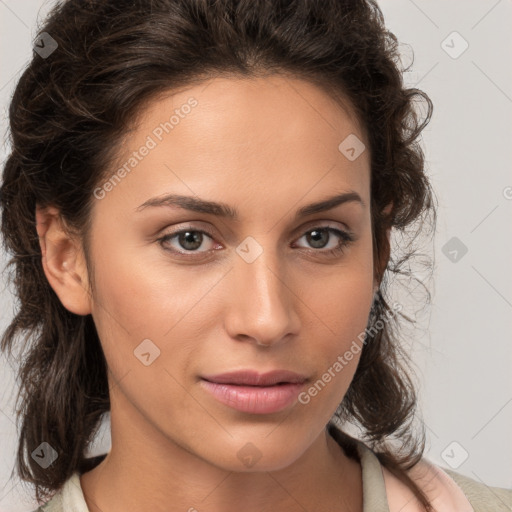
x: 199, y: 203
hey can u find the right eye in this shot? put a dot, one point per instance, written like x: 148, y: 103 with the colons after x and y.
x: 186, y: 242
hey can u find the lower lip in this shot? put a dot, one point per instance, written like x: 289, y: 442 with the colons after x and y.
x: 254, y: 399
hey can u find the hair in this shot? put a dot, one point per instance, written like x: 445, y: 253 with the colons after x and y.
x: 68, y: 115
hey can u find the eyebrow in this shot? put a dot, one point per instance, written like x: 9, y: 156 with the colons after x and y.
x: 196, y: 204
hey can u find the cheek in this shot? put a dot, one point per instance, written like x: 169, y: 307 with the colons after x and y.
x: 151, y: 307
x: 340, y: 335
x: 341, y: 307
x: 144, y: 296
x: 341, y: 299
x: 339, y: 340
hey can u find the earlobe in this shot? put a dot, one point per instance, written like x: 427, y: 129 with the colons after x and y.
x: 63, y: 261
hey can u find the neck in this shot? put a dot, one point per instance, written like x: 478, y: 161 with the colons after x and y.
x: 151, y: 472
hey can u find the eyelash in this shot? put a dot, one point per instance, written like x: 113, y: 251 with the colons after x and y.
x: 346, y: 239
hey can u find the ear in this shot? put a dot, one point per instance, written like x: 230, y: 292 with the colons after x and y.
x: 63, y: 261
x: 385, y: 256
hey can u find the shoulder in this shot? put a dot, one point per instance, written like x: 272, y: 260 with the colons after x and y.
x: 53, y: 505
x: 447, y: 491
x: 482, y: 496
x: 70, y: 496
x: 66, y: 499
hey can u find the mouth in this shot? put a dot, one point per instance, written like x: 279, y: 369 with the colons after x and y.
x: 254, y: 399
x: 255, y: 393
x: 255, y: 379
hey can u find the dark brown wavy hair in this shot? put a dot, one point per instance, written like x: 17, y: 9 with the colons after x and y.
x: 68, y: 115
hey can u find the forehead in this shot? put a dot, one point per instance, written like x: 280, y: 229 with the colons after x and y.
x: 241, y: 137
x: 259, y: 104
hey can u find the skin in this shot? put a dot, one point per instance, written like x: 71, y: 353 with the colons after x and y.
x: 265, y: 147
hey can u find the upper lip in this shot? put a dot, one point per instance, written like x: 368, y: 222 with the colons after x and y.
x: 253, y: 378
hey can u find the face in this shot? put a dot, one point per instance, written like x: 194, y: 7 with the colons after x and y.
x: 183, y: 292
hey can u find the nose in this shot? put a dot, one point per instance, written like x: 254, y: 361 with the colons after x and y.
x: 263, y: 303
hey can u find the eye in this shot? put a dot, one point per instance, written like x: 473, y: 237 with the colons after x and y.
x: 187, y: 242
x: 319, y: 237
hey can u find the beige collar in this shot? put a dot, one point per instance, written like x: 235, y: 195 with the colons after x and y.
x: 384, y: 492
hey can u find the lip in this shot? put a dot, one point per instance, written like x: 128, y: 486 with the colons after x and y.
x: 251, y: 392
x: 253, y: 378
x: 254, y: 399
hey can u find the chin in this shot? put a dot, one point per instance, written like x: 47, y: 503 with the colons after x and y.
x: 251, y: 459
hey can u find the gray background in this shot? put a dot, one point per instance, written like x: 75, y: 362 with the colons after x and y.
x: 462, y: 344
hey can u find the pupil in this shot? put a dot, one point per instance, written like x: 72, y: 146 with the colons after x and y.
x: 193, y: 237
x: 322, y: 234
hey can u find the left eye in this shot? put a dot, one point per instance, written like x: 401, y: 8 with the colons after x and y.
x: 190, y: 240
x: 318, y: 237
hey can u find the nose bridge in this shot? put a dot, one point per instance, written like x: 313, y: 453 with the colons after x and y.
x: 263, y: 307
